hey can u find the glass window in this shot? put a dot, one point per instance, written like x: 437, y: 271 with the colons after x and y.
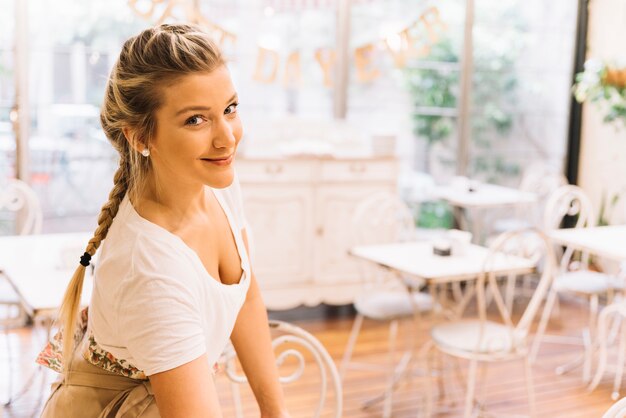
x: 404, y: 79
x: 284, y: 70
x: 7, y: 88
x: 72, y: 46
x: 523, y: 58
x: 520, y: 89
x: 428, y: 88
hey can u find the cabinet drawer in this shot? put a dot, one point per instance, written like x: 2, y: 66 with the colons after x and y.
x: 275, y: 171
x: 357, y: 170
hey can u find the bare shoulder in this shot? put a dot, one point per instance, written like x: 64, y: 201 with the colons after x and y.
x: 187, y: 391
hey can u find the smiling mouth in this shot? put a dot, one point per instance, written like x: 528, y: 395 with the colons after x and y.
x: 219, y: 161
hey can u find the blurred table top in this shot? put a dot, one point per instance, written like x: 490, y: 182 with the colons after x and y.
x: 417, y: 259
x: 605, y: 241
x: 39, y: 267
x: 475, y: 194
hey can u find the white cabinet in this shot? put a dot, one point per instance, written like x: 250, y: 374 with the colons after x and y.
x: 299, y: 212
x: 282, y: 229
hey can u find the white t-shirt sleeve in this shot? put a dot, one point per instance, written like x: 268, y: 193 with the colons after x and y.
x: 159, y: 313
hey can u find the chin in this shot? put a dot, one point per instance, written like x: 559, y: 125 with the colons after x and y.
x: 222, y: 180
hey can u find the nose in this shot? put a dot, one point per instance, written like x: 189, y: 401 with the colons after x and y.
x: 224, y: 135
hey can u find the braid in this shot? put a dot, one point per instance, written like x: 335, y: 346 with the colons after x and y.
x: 132, y: 97
x: 71, y: 300
x: 110, y: 208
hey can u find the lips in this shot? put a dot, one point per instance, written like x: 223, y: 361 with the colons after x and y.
x: 219, y: 161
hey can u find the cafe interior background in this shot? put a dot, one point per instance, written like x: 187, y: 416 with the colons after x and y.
x: 341, y: 100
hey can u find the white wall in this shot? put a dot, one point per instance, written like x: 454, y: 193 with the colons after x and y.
x: 603, y: 149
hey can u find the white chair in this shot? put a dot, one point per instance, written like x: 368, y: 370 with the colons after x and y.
x: 292, y: 342
x: 483, y: 340
x: 616, y: 311
x: 384, y: 218
x: 617, y: 410
x: 573, y: 277
x: 17, y: 198
x: 542, y: 180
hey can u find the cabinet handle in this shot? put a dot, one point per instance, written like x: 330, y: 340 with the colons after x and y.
x: 273, y: 169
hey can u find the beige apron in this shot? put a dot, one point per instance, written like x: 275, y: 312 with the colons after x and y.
x: 89, y: 391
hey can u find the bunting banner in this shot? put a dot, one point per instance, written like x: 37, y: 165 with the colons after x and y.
x: 160, y: 11
x: 412, y: 41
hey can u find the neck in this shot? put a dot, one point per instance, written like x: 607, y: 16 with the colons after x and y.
x: 173, y: 199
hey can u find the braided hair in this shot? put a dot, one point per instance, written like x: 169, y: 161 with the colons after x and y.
x: 154, y: 58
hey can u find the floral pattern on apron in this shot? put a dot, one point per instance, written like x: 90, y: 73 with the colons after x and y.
x: 51, y: 356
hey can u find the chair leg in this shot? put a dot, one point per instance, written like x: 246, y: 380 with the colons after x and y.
x: 556, y: 310
x: 620, y: 366
x: 617, y: 323
x: 543, y: 323
x: 529, y: 386
x: 347, y: 355
x: 10, y: 362
x: 593, y: 315
x: 441, y: 387
x: 602, y: 350
x: 471, y: 385
x: 393, y: 334
x: 481, y: 379
x: 510, y: 291
x: 457, y: 293
x: 591, y: 337
x: 428, y: 409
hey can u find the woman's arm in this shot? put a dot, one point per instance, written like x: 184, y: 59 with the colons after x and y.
x: 252, y: 341
x: 187, y: 391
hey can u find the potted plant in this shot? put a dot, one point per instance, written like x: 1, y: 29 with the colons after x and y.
x: 603, y: 83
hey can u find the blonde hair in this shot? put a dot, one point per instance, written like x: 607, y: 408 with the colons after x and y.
x: 155, y: 58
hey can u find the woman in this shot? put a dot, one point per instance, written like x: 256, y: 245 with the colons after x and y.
x: 173, y: 277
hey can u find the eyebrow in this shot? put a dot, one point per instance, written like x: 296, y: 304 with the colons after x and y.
x: 199, y: 108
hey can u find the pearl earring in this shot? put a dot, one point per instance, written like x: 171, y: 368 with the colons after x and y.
x: 145, y: 152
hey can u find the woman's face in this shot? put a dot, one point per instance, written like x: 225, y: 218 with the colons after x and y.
x: 198, y: 130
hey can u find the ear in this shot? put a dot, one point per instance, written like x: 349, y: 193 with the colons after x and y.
x: 133, y: 139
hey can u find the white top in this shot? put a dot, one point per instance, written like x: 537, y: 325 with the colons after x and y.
x: 153, y: 302
x: 605, y: 241
x: 417, y: 259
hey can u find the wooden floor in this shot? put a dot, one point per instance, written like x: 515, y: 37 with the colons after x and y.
x: 502, y: 388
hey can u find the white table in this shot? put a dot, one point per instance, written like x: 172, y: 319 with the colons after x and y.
x: 417, y: 259
x: 39, y: 267
x: 483, y: 195
x: 604, y: 241
x: 476, y: 196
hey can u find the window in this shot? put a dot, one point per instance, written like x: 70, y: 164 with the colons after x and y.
x: 281, y: 58
x: 522, y: 70
x: 523, y: 59
x: 7, y: 88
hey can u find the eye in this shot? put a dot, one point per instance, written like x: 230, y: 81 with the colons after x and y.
x: 231, y: 109
x: 194, y: 120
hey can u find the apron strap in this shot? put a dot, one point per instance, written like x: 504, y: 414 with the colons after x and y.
x: 99, y: 380
x: 134, y: 402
